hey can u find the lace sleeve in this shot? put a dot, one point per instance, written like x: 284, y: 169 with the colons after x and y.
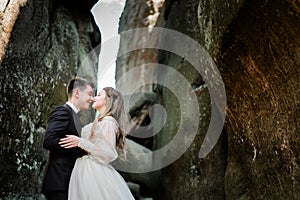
x: 102, y: 147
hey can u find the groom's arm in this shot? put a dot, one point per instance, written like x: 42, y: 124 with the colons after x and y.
x: 56, y: 128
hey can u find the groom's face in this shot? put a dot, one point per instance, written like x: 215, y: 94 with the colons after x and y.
x: 85, y: 98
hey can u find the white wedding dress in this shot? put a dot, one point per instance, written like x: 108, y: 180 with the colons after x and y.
x: 93, y: 177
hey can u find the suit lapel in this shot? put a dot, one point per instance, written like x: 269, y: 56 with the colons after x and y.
x: 76, y: 121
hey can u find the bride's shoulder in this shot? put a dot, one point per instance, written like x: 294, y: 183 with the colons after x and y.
x: 109, y: 119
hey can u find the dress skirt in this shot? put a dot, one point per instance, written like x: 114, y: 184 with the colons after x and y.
x: 101, y: 181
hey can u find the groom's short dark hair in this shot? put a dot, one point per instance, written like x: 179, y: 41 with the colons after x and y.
x: 78, y: 82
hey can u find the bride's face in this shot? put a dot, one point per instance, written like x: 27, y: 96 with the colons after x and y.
x: 99, y: 100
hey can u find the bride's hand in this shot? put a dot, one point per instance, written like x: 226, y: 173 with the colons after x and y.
x: 69, y: 141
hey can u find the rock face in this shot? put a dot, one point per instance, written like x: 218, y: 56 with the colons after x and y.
x: 256, y: 48
x: 137, y: 14
x: 48, y: 44
x: 260, y: 66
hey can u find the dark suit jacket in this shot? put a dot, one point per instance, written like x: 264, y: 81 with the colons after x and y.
x: 62, y: 121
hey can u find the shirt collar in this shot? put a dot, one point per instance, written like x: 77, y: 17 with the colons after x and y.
x: 73, y: 107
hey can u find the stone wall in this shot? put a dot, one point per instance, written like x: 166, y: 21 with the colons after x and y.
x: 255, y: 46
x: 46, y: 46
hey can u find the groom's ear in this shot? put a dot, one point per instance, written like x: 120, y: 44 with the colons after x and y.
x: 76, y: 92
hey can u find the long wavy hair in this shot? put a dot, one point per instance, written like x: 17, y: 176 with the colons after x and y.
x: 115, y: 108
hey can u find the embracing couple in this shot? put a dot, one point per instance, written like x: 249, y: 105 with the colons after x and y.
x: 79, y: 165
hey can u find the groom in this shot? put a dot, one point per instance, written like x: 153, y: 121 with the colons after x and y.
x: 63, y: 120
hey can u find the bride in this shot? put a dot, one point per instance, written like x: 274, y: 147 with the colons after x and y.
x: 93, y: 176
